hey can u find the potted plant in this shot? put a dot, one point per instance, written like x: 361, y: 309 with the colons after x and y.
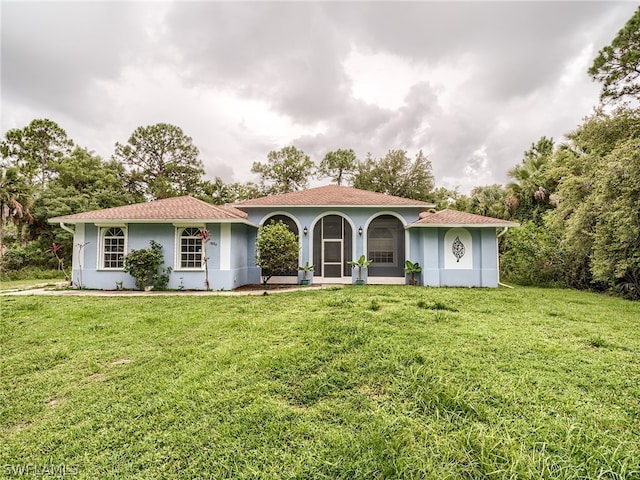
x: 361, y: 263
x: 304, y: 269
x: 413, y: 269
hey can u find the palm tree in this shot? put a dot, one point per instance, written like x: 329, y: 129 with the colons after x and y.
x: 529, y: 188
x: 15, y: 200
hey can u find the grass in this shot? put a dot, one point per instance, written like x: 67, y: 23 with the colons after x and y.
x: 6, y: 285
x: 366, y: 382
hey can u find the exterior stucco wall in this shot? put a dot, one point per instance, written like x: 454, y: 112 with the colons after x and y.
x: 437, y: 272
x: 238, y: 246
x: 231, y: 251
x: 357, y: 217
x: 240, y: 268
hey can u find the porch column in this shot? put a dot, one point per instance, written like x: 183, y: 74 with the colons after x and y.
x: 225, y: 246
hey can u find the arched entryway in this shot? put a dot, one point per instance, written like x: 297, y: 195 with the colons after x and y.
x: 386, y: 247
x: 332, y: 248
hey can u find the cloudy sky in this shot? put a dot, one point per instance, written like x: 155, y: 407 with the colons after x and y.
x: 472, y: 84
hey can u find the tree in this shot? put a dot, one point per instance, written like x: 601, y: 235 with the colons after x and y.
x: 216, y: 192
x: 162, y: 160
x: 104, y: 184
x: 220, y: 193
x: 244, y: 191
x: 446, y: 198
x: 286, y: 170
x: 529, y: 193
x: 490, y: 201
x: 338, y: 165
x: 35, y: 150
x: 396, y: 174
x: 596, y: 173
x: 82, y: 182
x: 532, y: 255
x: 15, y: 200
x: 277, y: 250
x: 617, y: 66
x: 615, y: 255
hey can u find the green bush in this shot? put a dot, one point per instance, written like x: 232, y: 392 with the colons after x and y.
x: 531, y: 255
x: 33, y: 255
x: 31, y: 273
x: 277, y: 249
x: 145, y: 265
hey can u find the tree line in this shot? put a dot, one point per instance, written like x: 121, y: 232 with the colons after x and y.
x: 578, y: 201
x: 45, y: 173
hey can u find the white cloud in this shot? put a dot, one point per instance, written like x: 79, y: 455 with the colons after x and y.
x: 472, y: 84
x: 380, y: 79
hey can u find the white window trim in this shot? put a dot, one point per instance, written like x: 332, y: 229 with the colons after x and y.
x: 102, y: 230
x: 177, y: 262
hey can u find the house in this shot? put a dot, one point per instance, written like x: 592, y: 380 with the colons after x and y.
x: 334, y: 225
x: 101, y: 238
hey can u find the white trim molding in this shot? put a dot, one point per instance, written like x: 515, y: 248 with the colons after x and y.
x: 102, y: 231
x: 177, y: 261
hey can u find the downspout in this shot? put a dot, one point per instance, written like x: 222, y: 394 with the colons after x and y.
x: 66, y: 228
x: 72, y: 232
x: 498, y: 257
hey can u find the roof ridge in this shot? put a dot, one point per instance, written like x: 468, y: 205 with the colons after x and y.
x: 183, y: 207
x: 325, y: 195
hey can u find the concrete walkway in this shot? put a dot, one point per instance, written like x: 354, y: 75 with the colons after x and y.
x: 136, y: 293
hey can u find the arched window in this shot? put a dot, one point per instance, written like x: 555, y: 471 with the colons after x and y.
x: 113, y: 248
x: 288, y: 221
x: 190, y: 249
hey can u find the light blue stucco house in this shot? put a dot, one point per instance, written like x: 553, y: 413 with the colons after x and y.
x: 334, y: 225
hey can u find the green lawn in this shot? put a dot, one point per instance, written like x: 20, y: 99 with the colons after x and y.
x: 6, y: 285
x: 354, y: 382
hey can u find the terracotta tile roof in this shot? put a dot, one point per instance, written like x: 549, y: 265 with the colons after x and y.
x: 449, y: 218
x: 177, y: 208
x: 332, y: 195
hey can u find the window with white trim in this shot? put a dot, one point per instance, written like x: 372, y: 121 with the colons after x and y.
x: 114, y: 244
x: 190, y: 249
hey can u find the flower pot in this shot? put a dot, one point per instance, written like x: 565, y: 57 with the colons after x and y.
x: 304, y: 281
x: 360, y: 282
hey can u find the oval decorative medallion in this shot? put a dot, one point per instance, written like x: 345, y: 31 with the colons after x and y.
x: 458, y: 249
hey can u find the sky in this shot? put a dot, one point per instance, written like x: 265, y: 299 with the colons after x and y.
x: 471, y: 84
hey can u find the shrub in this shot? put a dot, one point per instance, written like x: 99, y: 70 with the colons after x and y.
x: 277, y: 248
x: 145, y: 265
x: 531, y: 256
x: 30, y: 273
x: 18, y: 257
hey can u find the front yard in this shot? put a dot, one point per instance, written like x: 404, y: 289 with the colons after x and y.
x: 352, y: 382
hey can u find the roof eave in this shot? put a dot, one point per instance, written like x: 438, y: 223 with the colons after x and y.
x: 422, y: 205
x: 75, y: 221
x: 463, y: 225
